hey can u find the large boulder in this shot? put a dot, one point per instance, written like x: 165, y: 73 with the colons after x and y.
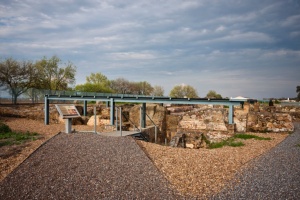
x: 99, y: 121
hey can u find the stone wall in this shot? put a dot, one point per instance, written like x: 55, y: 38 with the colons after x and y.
x: 211, y: 122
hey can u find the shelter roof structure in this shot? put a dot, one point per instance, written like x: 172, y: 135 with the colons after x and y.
x: 125, y: 98
x: 107, y: 97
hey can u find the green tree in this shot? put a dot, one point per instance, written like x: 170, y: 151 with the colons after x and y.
x: 53, y: 77
x: 143, y: 88
x: 213, y: 95
x: 96, y: 82
x: 158, y: 91
x: 183, y: 91
x: 298, y: 91
x: 16, y: 76
x: 98, y: 79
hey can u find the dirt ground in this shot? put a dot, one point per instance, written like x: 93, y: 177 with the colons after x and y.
x: 193, y: 172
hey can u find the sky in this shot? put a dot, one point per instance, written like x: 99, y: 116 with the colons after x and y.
x: 235, y: 47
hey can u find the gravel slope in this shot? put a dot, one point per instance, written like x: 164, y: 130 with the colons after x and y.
x: 274, y: 175
x: 87, y: 166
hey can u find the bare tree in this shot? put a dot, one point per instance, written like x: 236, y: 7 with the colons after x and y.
x: 158, y: 91
x: 120, y: 86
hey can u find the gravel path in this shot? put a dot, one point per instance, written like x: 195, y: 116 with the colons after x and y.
x: 274, y: 175
x: 87, y: 166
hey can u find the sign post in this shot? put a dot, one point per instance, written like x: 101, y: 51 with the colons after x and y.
x: 67, y: 112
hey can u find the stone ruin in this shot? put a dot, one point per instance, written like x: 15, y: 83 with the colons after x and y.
x: 185, y: 126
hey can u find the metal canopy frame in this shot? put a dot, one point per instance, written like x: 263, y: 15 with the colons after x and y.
x: 113, y: 98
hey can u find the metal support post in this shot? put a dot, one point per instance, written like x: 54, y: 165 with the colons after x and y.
x: 112, y: 112
x: 230, y: 114
x: 95, y: 117
x: 120, y: 120
x: 143, y: 115
x: 84, y: 108
x: 46, y: 110
x: 116, y: 118
x: 68, y: 123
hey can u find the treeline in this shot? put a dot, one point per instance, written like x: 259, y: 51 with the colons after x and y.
x: 51, y: 74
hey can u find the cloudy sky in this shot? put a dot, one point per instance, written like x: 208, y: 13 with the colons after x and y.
x: 235, y: 47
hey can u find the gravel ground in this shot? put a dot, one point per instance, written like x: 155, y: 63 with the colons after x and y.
x: 274, y: 175
x: 87, y: 166
x: 79, y: 166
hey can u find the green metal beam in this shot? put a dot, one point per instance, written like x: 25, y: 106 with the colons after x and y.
x: 113, y: 98
x: 149, y: 99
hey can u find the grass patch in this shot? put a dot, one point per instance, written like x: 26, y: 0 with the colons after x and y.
x: 236, y: 144
x: 229, y: 142
x: 249, y: 136
x: 9, y: 137
x: 215, y: 145
x: 232, y: 143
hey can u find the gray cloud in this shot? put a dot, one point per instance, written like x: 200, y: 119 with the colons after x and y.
x: 248, y: 48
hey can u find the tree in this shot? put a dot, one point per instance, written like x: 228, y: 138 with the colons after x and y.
x: 298, y: 91
x: 213, y: 95
x: 158, y: 91
x: 96, y: 82
x: 123, y: 86
x: 120, y: 86
x: 52, y: 77
x: 183, y: 91
x: 16, y: 76
x: 143, y: 88
x: 98, y: 79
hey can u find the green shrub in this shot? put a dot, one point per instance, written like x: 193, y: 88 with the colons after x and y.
x: 4, y: 128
